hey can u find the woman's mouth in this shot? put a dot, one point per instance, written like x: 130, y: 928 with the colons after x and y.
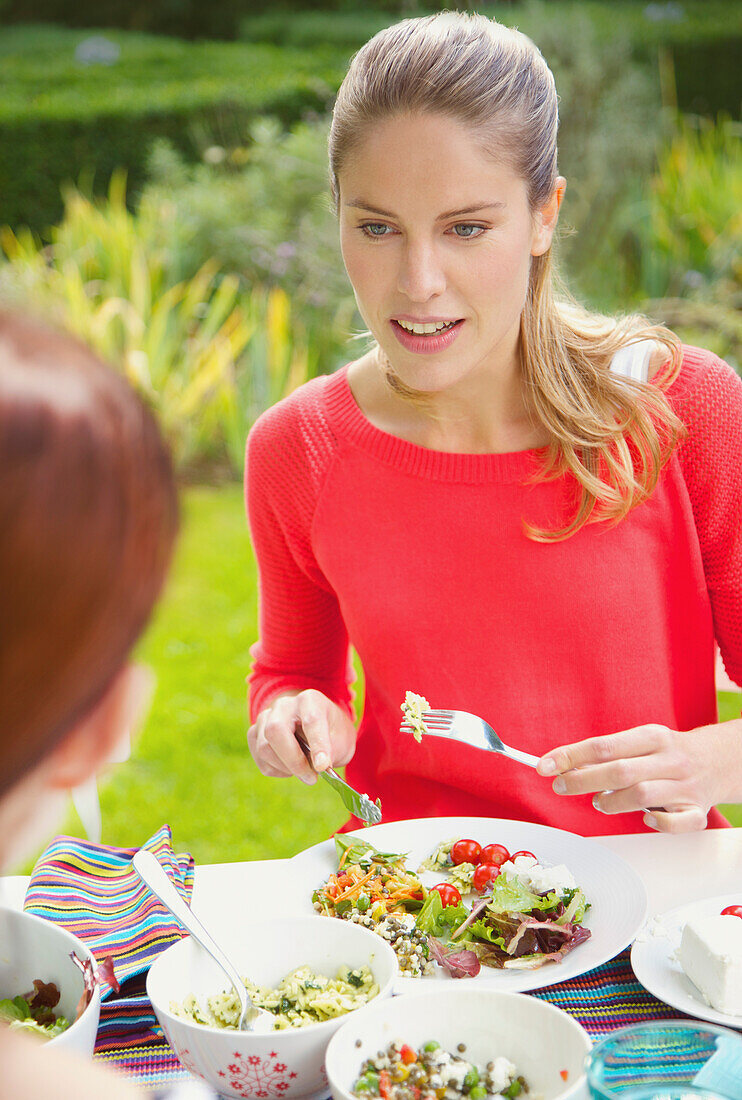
x: 426, y: 337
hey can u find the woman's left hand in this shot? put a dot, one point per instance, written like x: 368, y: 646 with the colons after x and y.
x: 674, y: 777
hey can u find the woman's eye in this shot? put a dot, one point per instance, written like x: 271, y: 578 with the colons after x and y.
x: 467, y: 231
x: 375, y: 229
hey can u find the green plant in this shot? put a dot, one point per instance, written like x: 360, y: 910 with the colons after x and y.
x: 688, y: 239
x: 262, y: 209
x: 696, y: 209
x: 208, y: 353
x: 610, y: 121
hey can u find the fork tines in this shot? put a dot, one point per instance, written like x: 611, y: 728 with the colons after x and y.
x: 430, y: 723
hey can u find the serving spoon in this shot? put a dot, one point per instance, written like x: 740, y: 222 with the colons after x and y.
x: 151, y: 872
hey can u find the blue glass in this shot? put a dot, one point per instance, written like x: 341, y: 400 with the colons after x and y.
x: 667, y: 1060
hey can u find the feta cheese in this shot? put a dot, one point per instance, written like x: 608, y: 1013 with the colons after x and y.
x: 653, y: 928
x: 455, y: 1072
x: 501, y: 1074
x: 519, y: 866
x: 711, y: 955
x: 542, y: 880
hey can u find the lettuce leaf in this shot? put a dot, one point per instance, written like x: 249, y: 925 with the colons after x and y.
x: 482, y: 931
x: 459, y: 964
x: 15, y: 1009
x: 575, y: 906
x: 509, y: 895
x: 362, y: 853
x: 437, y: 920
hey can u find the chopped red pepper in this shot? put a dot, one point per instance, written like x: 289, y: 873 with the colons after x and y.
x: 564, y: 1074
x: 407, y: 1054
x: 385, y: 1082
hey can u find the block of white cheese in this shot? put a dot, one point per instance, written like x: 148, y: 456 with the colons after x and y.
x: 711, y: 955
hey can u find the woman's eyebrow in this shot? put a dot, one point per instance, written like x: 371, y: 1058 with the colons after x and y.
x: 361, y: 204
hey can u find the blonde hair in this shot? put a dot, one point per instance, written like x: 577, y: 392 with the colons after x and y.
x: 611, y: 434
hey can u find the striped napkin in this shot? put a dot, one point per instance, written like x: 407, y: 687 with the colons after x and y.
x: 94, y: 892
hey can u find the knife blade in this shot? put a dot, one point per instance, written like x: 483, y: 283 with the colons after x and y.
x: 360, y: 805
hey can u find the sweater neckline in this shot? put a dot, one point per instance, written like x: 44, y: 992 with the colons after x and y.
x: 350, y: 423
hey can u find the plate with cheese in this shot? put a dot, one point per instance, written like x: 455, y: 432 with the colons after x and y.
x: 691, y: 958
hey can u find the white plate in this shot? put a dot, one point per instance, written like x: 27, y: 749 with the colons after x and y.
x: 654, y: 963
x: 615, y: 891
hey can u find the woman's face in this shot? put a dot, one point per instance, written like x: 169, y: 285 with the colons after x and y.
x: 436, y: 232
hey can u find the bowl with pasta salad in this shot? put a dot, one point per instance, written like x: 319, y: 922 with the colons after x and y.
x: 308, y: 973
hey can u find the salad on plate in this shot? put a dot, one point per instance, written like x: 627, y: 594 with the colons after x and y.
x: 491, y: 908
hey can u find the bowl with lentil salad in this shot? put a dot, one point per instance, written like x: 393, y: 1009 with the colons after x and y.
x: 459, y: 1044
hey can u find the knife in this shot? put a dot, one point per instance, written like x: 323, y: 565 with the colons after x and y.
x: 360, y: 805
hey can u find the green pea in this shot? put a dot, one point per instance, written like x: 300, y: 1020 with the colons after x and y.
x: 368, y: 1083
x: 471, y: 1079
x: 478, y: 1092
x: 431, y: 1045
x: 363, y: 903
x: 513, y: 1090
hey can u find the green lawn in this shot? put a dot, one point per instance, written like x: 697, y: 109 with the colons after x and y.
x: 190, y: 766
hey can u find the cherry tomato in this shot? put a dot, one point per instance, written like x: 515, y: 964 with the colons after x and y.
x: 484, y: 875
x: 516, y: 854
x: 407, y: 1054
x: 494, y: 853
x: 449, y: 894
x: 465, y: 851
x: 732, y: 911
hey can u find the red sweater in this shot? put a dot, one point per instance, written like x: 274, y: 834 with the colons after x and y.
x: 420, y: 559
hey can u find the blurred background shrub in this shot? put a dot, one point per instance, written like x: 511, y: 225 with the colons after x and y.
x: 73, y: 102
x: 208, y: 351
x: 215, y: 277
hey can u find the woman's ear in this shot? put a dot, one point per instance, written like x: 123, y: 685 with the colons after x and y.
x: 545, y: 221
x: 95, y: 739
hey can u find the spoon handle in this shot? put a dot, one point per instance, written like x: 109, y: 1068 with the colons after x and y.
x: 151, y: 872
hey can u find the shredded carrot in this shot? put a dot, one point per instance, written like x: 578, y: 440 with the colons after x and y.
x: 355, y: 886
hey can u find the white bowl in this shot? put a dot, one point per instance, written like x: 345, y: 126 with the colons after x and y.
x: 31, y: 948
x: 543, y: 1042
x: 283, y: 1063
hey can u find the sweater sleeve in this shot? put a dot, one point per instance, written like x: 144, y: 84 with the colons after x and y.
x: 708, y: 398
x: 302, y: 642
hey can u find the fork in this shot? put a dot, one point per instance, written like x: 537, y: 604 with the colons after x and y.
x: 459, y: 725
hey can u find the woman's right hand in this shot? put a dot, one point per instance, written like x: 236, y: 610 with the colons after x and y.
x: 328, y: 731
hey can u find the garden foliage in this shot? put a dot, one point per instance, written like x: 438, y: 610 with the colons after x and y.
x: 224, y: 288
x: 208, y: 352
x: 689, y: 238
x: 65, y: 119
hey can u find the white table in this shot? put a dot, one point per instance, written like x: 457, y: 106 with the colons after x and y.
x: 674, y: 869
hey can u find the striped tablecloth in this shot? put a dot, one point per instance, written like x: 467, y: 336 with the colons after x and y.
x: 94, y: 891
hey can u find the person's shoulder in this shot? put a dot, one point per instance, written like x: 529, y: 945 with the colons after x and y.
x: 294, y: 439
x: 299, y: 409
x: 704, y: 378
x: 707, y: 396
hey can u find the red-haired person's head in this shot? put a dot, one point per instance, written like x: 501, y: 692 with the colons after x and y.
x: 88, y: 518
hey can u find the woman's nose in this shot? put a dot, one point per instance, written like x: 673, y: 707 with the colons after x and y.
x: 421, y: 275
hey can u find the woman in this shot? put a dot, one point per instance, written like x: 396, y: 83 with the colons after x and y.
x: 509, y: 505
x: 88, y: 518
